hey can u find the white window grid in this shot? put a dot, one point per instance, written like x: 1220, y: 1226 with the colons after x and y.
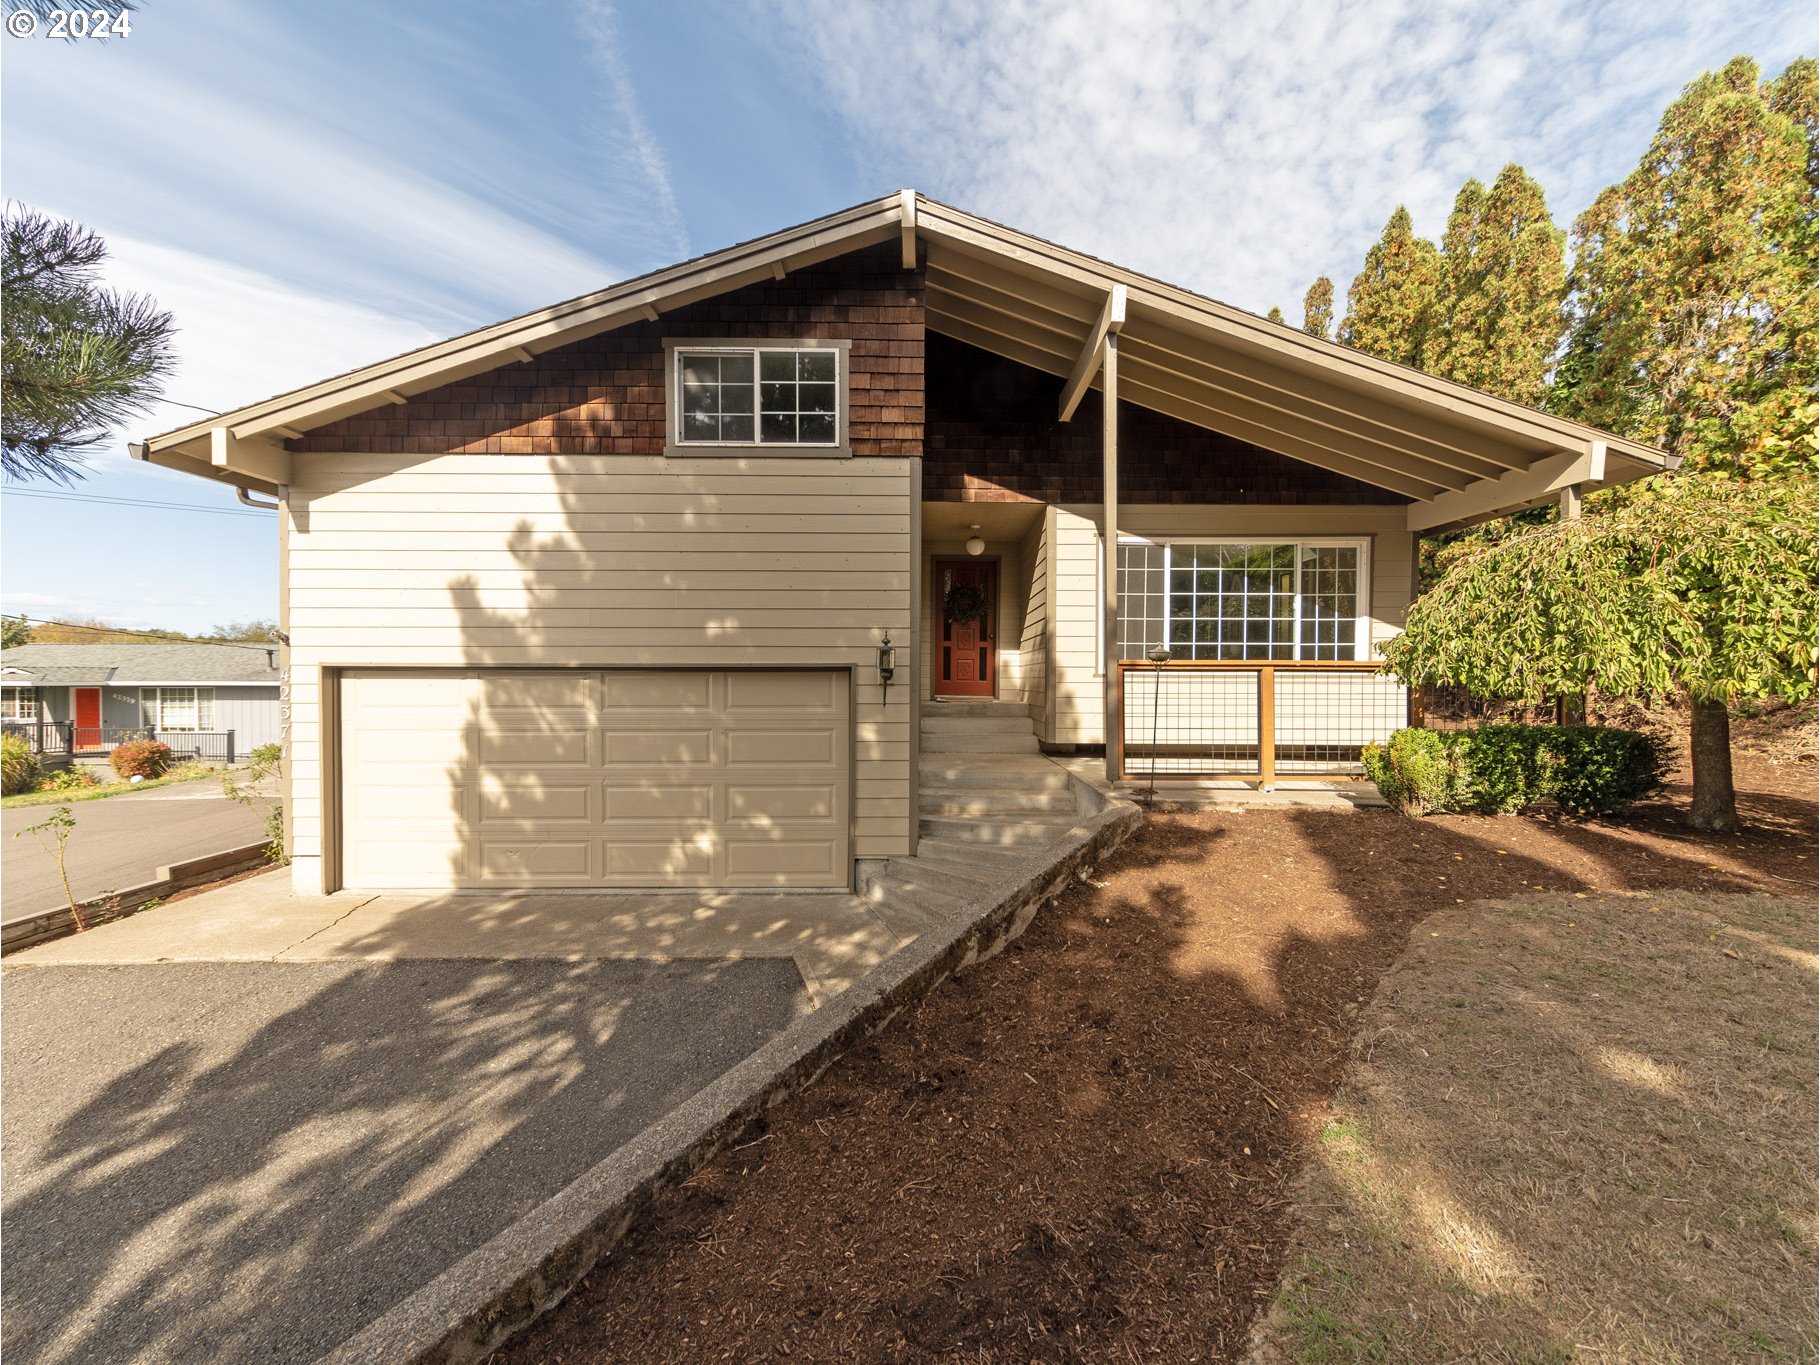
x: 1287, y: 600
x: 178, y: 709
x: 19, y: 703
x: 745, y: 392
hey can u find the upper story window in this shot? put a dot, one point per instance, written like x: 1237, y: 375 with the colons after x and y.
x: 743, y: 396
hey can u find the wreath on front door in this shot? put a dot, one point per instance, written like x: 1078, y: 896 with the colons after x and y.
x: 965, y: 602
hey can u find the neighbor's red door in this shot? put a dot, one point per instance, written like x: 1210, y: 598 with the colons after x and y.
x: 967, y: 649
x: 88, y: 718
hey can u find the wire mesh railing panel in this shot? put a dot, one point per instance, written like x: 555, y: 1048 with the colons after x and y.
x: 1323, y: 719
x: 1190, y: 723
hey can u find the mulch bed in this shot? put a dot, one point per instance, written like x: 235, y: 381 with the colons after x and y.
x: 1082, y: 1149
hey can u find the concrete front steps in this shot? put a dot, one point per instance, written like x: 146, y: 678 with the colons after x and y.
x: 988, y: 801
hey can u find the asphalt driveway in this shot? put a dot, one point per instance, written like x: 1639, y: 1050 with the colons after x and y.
x: 251, y: 1160
x: 120, y: 841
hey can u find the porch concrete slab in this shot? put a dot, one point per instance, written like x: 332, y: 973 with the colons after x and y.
x: 1228, y: 794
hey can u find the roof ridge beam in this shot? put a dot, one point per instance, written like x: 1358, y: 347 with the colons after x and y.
x: 1110, y: 322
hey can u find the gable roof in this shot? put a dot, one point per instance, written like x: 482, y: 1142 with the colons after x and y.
x: 129, y: 664
x: 1459, y: 454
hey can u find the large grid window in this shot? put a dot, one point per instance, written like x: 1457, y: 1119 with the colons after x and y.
x: 179, y: 708
x: 1240, y: 601
x: 758, y: 396
x: 19, y: 703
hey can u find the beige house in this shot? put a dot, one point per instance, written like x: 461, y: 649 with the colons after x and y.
x: 600, y: 596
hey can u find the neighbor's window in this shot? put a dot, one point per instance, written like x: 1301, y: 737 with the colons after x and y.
x: 180, y: 708
x: 1281, y: 600
x: 758, y: 396
x: 19, y: 703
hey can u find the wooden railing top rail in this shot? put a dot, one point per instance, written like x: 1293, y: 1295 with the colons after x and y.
x: 1252, y: 665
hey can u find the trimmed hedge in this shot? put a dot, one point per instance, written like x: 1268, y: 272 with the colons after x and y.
x: 1496, y: 769
x: 141, y: 758
x: 18, y: 766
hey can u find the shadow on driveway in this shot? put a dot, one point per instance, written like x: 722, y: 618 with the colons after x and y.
x: 251, y: 1161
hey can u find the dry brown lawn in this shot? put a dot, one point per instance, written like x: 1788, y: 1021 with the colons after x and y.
x: 1574, y: 1127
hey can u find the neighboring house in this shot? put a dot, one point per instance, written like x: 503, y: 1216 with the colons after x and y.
x: 214, y: 702
x: 597, y: 596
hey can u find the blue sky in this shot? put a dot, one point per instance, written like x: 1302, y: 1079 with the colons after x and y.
x: 311, y: 187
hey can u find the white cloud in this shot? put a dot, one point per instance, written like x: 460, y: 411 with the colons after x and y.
x: 644, y: 179
x: 1240, y: 149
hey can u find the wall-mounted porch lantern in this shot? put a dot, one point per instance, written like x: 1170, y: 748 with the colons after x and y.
x: 887, y: 667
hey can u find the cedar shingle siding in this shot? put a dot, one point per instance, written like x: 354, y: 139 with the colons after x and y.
x: 993, y: 437
x: 605, y: 395
x: 991, y: 433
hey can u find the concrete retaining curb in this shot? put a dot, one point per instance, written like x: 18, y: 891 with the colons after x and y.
x: 50, y: 924
x: 498, y: 1289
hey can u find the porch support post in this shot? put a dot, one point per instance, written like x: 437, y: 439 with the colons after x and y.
x: 1109, y: 526
x: 1571, y: 500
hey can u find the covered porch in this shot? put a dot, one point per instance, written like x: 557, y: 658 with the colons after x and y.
x: 1152, y: 473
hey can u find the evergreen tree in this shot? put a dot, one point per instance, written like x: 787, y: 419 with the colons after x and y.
x: 76, y: 359
x: 1317, y: 309
x: 1391, y: 306
x: 1694, y: 306
x: 1497, y: 321
x: 1275, y: 315
x: 14, y: 631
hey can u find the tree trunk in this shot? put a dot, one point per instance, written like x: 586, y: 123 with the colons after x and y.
x: 1715, y: 806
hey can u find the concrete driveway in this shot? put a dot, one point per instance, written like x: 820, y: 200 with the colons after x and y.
x: 120, y: 841
x: 252, y: 1153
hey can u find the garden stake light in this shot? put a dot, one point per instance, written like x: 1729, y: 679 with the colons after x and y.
x: 1159, y: 656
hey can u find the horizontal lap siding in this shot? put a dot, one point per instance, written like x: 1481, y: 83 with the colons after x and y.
x: 703, y: 563
x: 1075, y: 660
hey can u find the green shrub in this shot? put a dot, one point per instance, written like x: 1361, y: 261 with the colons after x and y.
x: 1416, y: 771
x: 1599, y: 770
x: 18, y: 765
x: 67, y: 779
x: 141, y: 758
x: 1503, y: 767
x: 266, y: 758
x: 1496, y: 769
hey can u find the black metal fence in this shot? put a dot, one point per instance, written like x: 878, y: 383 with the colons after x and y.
x: 57, y: 738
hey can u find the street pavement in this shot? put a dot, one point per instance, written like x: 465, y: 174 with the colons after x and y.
x: 119, y: 842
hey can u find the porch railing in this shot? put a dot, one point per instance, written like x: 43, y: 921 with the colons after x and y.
x: 54, y: 737
x: 1264, y: 721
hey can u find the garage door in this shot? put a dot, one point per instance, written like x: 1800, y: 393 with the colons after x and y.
x: 595, y: 778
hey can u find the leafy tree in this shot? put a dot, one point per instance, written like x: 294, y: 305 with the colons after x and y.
x: 14, y: 631
x: 92, y: 630
x: 1390, y: 309
x: 1317, y: 309
x: 259, y: 630
x: 1275, y: 315
x: 76, y: 359
x: 1694, y: 306
x: 1497, y: 319
x: 1697, y: 585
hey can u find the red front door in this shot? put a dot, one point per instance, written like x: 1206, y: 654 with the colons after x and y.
x: 88, y: 718
x: 966, y: 603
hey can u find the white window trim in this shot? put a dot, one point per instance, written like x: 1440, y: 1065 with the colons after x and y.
x: 1361, y: 637
x: 16, y: 694
x: 675, y: 446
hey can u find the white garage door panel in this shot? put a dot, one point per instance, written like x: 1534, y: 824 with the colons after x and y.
x: 595, y: 778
